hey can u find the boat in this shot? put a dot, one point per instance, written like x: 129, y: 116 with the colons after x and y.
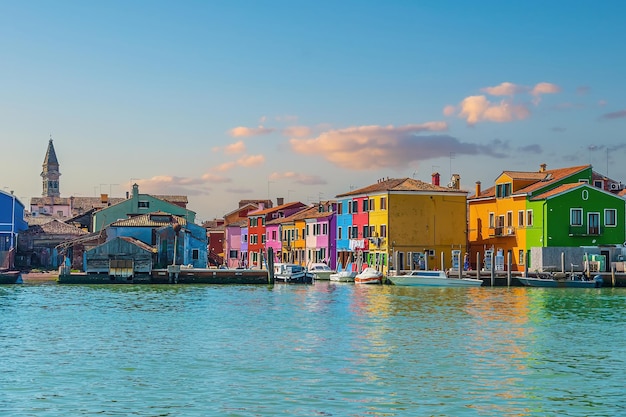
x: 321, y: 271
x: 369, y: 276
x: 560, y: 280
x: 292, y: 273
x: 425, y: 278
x: 343, y: 276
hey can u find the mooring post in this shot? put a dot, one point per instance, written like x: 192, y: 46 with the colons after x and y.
x: 477, y: 265
x: 508, y: 268
x: 493, y: 270
x: 613, y: 275
x: 270, y: 265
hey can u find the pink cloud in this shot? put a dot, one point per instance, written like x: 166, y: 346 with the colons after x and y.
x: 224, y: 167
x: 375, y: 147
x: 215, y: 178
x: 234, y: 148
x: 167, y: 184
x: 251, y: 160
x: 449, y: 110
x: 297, y: 131
x: 478, y: 108
x: 242, y: 131
x: 504, y: 89
x: 298, y: 178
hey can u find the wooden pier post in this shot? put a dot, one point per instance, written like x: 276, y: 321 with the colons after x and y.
x: 613, y: 275
x: 477, y: 265
x: 508, y: 268
x: 270, y: 265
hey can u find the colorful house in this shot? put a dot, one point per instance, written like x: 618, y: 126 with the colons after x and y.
x: 11, y: 224
x: 321, y: 231
x: 138, y: 204
x: 343, y: 219
x: 257, y: 227
x: 406, y: 223
x: 512, y: 216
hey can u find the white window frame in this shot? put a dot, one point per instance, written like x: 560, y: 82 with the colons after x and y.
x: 571, y: 216
x: 607, y: 224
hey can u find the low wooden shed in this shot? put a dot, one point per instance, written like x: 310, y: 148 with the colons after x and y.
x: 120, y: 257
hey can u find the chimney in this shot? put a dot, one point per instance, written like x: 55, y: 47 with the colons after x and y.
x: 456, y: 181
x: 477, y: 188
x: 542, y: 167
x: 104, y: 198
x: 280, y: 201
x: 435, y: 178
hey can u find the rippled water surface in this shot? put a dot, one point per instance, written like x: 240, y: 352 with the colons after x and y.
x: 321, y: 350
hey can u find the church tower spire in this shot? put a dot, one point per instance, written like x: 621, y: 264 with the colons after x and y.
x: 50, y: 173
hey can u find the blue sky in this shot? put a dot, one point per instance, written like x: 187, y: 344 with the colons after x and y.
x: 231, y: 100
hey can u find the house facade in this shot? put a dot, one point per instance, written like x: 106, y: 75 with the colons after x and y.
x: 518, y: 213
x: 11, y: 224
x: 406, y: 223
x: 138, y: 204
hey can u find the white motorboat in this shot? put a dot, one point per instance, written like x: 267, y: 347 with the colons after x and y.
x: 321, y: 271
x: 343, y: 276
x: 369, y: 276
x: 423, y: 278
x: 292, y: 273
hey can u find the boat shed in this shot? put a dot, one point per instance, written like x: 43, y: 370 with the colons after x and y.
x: 120, y: 257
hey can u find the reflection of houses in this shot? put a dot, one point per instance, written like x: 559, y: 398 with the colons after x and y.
x: 165, y: 232
x: 11, y: 224
x: 39, y: 244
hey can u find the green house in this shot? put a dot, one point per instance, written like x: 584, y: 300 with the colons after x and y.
x: 135, y: 205
x: 576, y: 214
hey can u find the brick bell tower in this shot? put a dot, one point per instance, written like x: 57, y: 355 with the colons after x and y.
x: 50, y: 173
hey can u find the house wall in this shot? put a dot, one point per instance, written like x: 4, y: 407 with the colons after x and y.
x: 232, y: 246
x: 379, y: 245
x: 273, y: 240
x: 96, y: 260
x: 434, y: 221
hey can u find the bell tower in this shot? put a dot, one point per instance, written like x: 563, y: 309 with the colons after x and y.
x: 50, y: 173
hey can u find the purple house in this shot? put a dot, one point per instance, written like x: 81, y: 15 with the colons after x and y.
x: 321, y: 242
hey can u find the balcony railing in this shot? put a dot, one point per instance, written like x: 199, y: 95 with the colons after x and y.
x: 500, y: 231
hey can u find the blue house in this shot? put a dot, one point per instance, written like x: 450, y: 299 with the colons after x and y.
x: 11, y: 224
x: 344, y: 229
x: 164, y: 231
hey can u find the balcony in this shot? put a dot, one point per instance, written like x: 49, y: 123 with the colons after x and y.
x: 501, y: 231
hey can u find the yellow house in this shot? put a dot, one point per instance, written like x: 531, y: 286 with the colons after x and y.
x: 408, y: 224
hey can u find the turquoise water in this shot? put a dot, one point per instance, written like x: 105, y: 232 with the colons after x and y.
x: 321, y: 350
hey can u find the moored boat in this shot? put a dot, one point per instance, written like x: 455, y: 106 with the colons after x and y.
x: 432, y: 279
x: 369, y: 276
x: 321, y: 271
x: 292, y: 273
x: 343, y: 276
x: 562, y: 281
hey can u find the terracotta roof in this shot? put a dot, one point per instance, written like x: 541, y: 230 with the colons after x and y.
x: 399, y: 184
x: 274, y: 209
x: 622, y: 193
x: 56, y: 227
x: 558, y: 190
x: 305, y: 213
x: 154, y: 219
x: 543, y: 179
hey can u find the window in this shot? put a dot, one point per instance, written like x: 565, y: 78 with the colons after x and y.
x: 576, y: 217
x: 383, y: 230
x: 529, y: 218
x: 365, y: 205
x: 244, y: 238
x: 307, y: 230
x: 610, y: 217
x: 339, y: 232
x: 383, y: 203
x: 372, y: 204
x: 492, y: 220
x: 143, y: 204
x: 503, y: 190
x: 521, y: 257
x: 273, y: 234
x: 520, y: 218
x: 372, y: 231
x: 263, y: 238
x: 325, y: 229
x: 355, y: 206
x: 366, y: 231
x: 349, y: 232
x: 597, y: 184
x: 509, y: 218
x: 233, y: 254
x: 195, y: 254
x: 340, y: 208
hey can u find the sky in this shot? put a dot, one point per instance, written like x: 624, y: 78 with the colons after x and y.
x: 234, y: 100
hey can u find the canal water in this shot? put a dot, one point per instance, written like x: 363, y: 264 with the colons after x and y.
x: 321, y: 350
